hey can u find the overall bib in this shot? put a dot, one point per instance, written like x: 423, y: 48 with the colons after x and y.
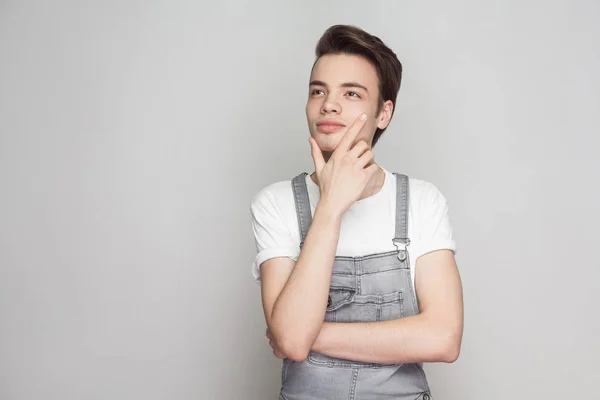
x: 368, y: 288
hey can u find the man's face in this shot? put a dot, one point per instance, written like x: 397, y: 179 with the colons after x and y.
x: 342, y: 87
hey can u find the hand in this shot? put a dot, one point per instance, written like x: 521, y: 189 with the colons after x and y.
x: 347, y: 172
x: 276, y: 351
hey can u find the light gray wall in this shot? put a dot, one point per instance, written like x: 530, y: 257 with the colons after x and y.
x: 134, y: 135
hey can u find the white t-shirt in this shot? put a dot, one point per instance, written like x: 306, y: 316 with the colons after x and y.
x: 367, y: 227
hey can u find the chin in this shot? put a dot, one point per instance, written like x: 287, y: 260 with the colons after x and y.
x: 327, y: 142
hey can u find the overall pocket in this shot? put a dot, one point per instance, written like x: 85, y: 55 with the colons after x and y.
x: 344, y: 305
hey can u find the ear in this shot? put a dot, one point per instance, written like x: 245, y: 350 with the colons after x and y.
x: 385, y: 115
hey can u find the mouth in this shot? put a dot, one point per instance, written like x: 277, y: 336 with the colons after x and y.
x: 329, y: 126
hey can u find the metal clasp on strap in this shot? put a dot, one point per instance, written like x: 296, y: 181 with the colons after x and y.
x: 402, y: 254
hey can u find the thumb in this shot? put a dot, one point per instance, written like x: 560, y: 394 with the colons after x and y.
x: 316, y: 155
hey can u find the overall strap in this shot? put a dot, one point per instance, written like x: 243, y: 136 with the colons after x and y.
x: 302, y: 205
x: 402, y: 198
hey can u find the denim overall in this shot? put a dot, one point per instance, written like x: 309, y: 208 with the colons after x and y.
x: 369, y: 288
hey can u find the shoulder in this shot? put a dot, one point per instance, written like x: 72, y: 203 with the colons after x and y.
x: 426, y: 200
x: 272, y: 191
x: 423, y: 192
x: 275, y: 199
x: 430, y: 223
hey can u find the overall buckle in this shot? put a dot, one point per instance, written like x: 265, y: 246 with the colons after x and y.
x: 402, y: 254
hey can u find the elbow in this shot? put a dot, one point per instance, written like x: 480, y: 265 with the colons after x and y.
x: 450, y: 354
x: 298, y: 356
x: 292, y: 347
x: 444, y: 344
x: 294, y: 351
x: 449, y: 347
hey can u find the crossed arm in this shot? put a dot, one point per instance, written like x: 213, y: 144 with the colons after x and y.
x: 434, y: 335
x: 295, y: 297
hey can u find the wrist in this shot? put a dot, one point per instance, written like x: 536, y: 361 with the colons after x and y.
x: 329, y: 210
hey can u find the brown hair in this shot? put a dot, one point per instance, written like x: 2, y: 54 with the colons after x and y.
x: 347, y: 39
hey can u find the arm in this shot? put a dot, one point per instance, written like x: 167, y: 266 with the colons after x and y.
x: 434, y: 335
x: 295, y: 294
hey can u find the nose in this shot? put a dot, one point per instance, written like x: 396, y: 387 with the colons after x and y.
x: 330, y: 106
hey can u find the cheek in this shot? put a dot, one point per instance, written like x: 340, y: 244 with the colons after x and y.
x: 352, y: 109
x: 312, y: 108
x: 368, y: 131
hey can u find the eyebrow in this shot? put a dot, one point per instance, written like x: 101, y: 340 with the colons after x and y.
x: 345, y: 84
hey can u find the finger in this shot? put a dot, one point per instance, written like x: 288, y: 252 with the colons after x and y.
x: 348, y: 138
x: 317, y: 155
x: 359, y: 149
x: 372, y: 169
x: 273, y: 346
x: 278, y: 354
x: 366, y: 158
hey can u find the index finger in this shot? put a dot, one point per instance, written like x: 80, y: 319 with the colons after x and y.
x: 348, y: 138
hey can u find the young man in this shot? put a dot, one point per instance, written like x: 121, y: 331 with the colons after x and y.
x: 356, y: 264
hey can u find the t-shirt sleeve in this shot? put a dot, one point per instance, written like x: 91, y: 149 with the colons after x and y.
x: 433, y: 223
x: 271, y: 232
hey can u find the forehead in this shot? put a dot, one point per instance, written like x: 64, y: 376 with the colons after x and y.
x: 335, y: 69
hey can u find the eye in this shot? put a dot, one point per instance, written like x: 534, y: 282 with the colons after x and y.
x: 353, y: 94
x: 315, y: 92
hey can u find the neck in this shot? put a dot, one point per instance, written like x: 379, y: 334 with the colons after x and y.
x: 375, y: 184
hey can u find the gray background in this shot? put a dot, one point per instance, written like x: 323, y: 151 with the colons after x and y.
x: 133, y: 136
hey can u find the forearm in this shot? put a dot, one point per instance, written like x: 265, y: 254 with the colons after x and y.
x: 407, y: 340
x: 299, y: 310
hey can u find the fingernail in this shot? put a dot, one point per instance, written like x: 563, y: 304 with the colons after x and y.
x: 363, y: 116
